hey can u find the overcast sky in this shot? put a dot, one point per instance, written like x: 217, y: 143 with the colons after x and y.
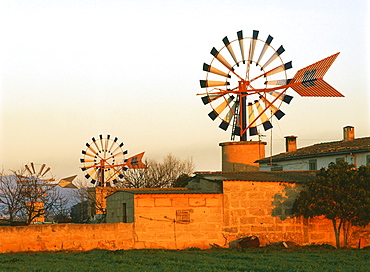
x: 72, y: 70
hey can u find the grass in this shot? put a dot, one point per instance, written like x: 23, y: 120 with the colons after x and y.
x: 257, y: 259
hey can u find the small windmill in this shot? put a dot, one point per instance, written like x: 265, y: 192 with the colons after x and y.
x: 41, y: 172
x: 246, y: 88
x: 35, y: 184
x: 104, y: 160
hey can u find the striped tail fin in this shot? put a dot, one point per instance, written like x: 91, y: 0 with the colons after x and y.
x: 309, y: 80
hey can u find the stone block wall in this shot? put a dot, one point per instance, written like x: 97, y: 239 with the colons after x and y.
x: 263, y: 208
x: 158, y: 221
x: 241, y: 156
x: 71, y: 237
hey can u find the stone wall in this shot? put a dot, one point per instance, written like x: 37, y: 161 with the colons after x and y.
x: 241, y: 156
x: 263, y: 208
x: 158, y: 223
x: 178, y: 221
x: 71, y: 237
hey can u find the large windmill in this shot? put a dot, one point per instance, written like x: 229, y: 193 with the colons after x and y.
x: 246, y: 83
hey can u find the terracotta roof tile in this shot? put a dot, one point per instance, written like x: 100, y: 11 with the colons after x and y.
x: 154, y: 191
x: 323, y: 149
x: 264, y: 176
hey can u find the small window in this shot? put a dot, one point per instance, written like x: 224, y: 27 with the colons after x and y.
x: 312, y: 165
x: 368, y: 160
x: 183, y: 216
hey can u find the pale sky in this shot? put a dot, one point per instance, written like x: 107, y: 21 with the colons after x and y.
x: 72, y: 70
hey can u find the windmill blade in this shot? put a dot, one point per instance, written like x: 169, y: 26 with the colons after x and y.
x: 262, y: 114
x: 118, y: 148
x: 309, y: 80
x: 251, y: 120
x: 47, y: 170
x: 92, y: 173
x: 217, y: 111
x: 264, y: 48
x: 33, y: 168
x: 96, y: 145
x: 241, y: 44
x: 230, y: 49
x: 91, y: 148
x: 252, y: 45
x: 28, y: 169
x: 280, y: 82
x: 213, y: 70
x: 274, y: 56
x: 221, y: 59
x: 48, y: 180
x: 106, y: 143
x: 210, y: 97
x: 86, y: 160
x: 275, y: 110
x: 279, y: 69
x: 135, y: 162
x: 22, y: 179
x: 283, y: 97
x: 210, y: 83
x: 101, y: 142
x: 41, y: 168
x: 88, y: 154
x: 113, y: 142
x: 229, y: 116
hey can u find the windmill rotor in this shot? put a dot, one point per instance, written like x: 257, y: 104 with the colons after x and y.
x: 35, y: 171
x: 246, y: 83
x: 104, y: 161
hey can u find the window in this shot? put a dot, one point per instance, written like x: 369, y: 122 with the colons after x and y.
x: 312, y: 165
x: 368, y: 160
x: 183, y: 216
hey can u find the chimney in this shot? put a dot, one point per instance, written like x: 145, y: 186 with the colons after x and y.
x: 348, y: 133
x: 290, y: 143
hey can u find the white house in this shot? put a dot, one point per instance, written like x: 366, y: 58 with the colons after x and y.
x: 317, y: 156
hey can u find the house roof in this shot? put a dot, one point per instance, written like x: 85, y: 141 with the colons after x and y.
x: 263, y: 176
x: 154, y: 191
x: 323, y: 149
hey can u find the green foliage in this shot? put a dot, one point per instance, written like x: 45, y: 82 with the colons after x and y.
x: 283, y: 202
x: 256, y: 259
x: 341, y: 193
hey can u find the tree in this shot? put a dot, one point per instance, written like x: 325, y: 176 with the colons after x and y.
x: 79, y: 212
x: 24, y: 197
x: 10, y: 197
x: 158, y: 174
x: 341, y: 193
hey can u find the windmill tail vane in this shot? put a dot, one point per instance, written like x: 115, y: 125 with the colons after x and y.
x: 231, y: 79
x: 309, y: 80
x: 135, y: 162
